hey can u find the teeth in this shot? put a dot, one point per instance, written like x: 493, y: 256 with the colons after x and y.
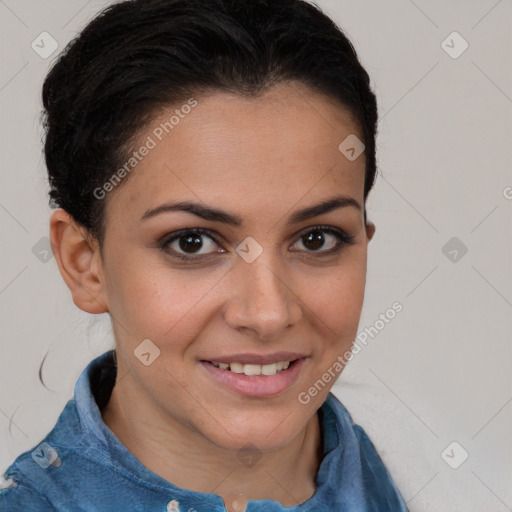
x: 269, y: 369
x: 254, y: 369
x: 236, y: 367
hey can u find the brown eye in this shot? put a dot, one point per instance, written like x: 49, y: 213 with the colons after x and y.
x: 187, y: 243
x: 325, y: 240
x: 314, y: 240
x: 190, y: 243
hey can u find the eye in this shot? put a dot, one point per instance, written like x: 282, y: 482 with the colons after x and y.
x: 315, y: 240
x: 187, y: 243
x: 190, y: 241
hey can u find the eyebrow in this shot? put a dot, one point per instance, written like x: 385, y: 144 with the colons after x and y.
x: 218, y: 215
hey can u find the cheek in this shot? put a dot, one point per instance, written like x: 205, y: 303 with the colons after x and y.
x: 335, y: 299
x: 346, y: 290
x: 156, y: 301
x: 338, y: 301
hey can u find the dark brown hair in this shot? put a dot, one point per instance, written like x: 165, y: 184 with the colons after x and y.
x: 138, y: 56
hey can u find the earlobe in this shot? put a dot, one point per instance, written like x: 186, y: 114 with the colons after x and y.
x: 79, y: 262
x: 370, y: 230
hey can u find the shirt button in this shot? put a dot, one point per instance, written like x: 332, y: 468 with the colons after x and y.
x: 173, y: 506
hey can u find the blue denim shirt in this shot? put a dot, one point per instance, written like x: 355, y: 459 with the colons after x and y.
x: 82, y: 466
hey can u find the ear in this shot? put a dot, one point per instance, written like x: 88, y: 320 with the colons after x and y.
x: 370, y: 230
x: 79, y: 260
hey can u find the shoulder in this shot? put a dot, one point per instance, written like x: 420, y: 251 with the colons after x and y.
x: 380, y: 490
x: 18, y: 493
x: 28, y: 482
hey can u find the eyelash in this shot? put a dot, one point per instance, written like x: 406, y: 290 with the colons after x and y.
x: 343, y: 238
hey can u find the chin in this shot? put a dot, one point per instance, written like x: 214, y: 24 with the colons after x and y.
x: 249, y: 443
x: 256, y: 436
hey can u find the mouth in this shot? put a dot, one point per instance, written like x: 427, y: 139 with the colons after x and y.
x: 250, y: 369
x: 255, y: 380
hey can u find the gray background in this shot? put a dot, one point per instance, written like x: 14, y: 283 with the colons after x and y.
x: 440, y: 370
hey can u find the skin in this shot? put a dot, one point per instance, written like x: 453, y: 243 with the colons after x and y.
x: 262, y: 159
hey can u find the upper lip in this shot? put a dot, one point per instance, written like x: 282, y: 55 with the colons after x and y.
x: 251, y: 358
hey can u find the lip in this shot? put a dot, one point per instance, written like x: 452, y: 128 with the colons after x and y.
x: 249, y: 358
x: 256, y: 385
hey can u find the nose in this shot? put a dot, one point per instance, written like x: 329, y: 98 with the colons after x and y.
x: 262, y: 302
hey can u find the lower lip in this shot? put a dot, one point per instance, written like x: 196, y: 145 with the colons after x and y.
x: 256, y: 385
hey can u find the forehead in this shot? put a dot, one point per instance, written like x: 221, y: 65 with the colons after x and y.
x: 248, y: 152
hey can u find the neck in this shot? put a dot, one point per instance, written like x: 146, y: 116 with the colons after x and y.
x: 188, y: 460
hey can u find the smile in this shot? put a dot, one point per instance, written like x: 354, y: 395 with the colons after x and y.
x: 255, y: 380
x: 254, y: 369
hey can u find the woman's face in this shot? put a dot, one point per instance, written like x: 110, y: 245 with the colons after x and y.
x: 272, y: 287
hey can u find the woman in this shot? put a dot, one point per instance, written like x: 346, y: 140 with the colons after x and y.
x: 210, y: 161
